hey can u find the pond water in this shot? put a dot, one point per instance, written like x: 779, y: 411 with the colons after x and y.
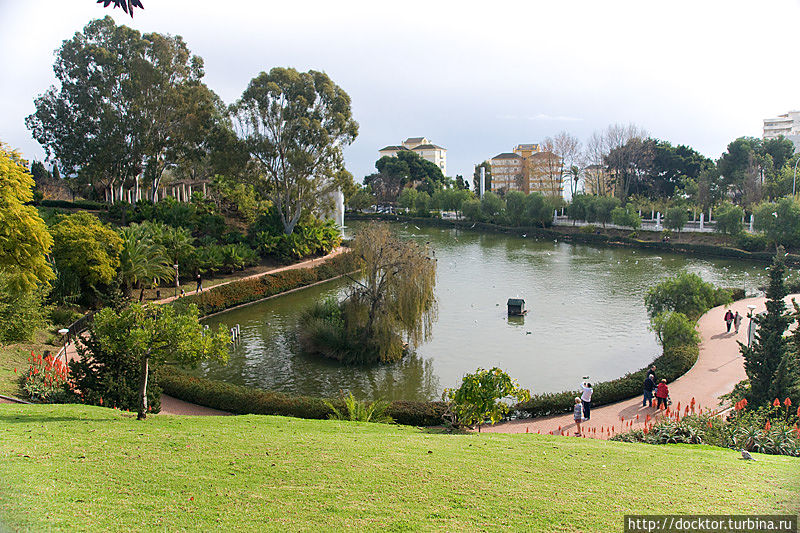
x: 586, y: 316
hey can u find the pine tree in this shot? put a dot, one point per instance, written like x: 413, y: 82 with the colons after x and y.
x: 769, y: 348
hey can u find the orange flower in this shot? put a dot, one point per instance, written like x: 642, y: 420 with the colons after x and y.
x: 776, y: 403
x: 787, y: 402
x: 767, y: 426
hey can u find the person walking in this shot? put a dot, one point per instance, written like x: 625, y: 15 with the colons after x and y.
x: 652, y: 374
x: 649, y: 386
x: 737, y: 321
x: 728, y: 319
x: 199, y: 279
x: 662, y: 393
x: 577, y: 411
x: 586, y: 398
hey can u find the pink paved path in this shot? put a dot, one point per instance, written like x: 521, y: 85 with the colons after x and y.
x: 719, y: 367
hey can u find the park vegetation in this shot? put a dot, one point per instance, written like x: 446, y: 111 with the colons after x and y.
x: 389, y: 307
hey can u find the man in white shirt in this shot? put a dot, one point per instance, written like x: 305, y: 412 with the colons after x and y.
x: 586, y: 398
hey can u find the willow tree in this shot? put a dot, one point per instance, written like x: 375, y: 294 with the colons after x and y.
x: 390, y: 306
x: 393, y: 301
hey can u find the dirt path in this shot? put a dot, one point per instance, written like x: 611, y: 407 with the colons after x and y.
x: 718, y: 368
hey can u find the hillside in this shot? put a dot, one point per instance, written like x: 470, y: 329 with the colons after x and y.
x: 81, y: 468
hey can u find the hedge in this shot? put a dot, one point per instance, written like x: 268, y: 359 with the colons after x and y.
x: 77, y: 204
x: 222, y: 297
x: 246, y: 400
x: 792, y: 260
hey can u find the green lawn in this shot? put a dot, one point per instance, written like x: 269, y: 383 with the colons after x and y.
x: 75, y: 468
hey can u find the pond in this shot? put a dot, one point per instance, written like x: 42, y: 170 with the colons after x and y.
x: 586, y: 316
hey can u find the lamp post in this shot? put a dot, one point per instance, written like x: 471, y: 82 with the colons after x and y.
x: 751, y: 307
x: 177, y: 282
x: 794, y: 179
x: 64, y: 333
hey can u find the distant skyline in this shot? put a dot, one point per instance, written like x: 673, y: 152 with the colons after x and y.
x: 472, y: 77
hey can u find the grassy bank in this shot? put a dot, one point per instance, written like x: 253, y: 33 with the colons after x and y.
x: 80, y: 468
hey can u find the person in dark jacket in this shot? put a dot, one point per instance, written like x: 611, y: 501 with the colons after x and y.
x: 662, y: 393
x: 649, y: 386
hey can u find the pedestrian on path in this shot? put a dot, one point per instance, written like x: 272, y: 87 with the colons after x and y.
x: 577, y: 411
x: 652, y: 374
x: 649, y: 386
x: 586, y: 398
x: 662, y: 393
x: 728, y: 319
x: 199, y: 283
x: 737, y: 321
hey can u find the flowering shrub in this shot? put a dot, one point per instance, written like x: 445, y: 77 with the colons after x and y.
x: 772, y: 429
x: 45, y: 379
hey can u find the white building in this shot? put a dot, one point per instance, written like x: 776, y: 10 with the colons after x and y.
x: 423, y: 148
x: 787, y: 124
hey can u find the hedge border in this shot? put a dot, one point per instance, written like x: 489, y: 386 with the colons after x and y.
x: 707, y: 250
x: 243, y: 400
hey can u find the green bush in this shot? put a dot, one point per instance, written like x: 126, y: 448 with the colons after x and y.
x: 21, y: 313
x: 729, y: 219
x: 245, y: 400
x: 360, y: 411
x: 685, y: 293
x: 751, y: 242
x: 674, y: 329
x: 78, y: 204
x: 676, y: 218
x: 219, y: 298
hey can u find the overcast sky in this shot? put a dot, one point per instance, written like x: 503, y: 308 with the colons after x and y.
x: 476, y: 78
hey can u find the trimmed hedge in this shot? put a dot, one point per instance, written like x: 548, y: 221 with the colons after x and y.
x: 222, y: 297
x: 246, y: 400
x: 77, y: 204
x: 670, y: 366
x: 595, y: 238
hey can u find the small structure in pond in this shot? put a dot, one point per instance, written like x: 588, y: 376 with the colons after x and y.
x: 516, y: 307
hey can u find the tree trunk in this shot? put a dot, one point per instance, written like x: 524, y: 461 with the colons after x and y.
x: 143, y: 390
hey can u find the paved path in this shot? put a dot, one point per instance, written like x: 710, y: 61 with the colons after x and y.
x: 719, y: 367
x: 304, y: 264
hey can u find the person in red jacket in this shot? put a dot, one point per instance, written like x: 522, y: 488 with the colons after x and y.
x: 662, y: 393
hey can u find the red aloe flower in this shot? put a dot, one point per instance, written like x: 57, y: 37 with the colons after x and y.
x: 776, y: 403
x: 767, y: 426
x: 787, y: 402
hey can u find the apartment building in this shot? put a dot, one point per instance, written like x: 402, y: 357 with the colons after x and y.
x: 527, y: 169
x: 423, y: 147
x: 787, y: 124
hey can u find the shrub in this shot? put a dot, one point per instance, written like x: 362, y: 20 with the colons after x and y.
x: 245, y: 400
x: 626, y: 217
x: 21, y: 313
x: 729, y: 219
x: 674, y: 329
x: 77, y: 204
x: 751, y: 242
x: 359, y: 411
x: 479, y: 398
x: 685, y: 293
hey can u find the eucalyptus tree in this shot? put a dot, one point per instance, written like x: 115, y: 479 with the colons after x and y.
x: 295, y: 125
x: 127, y: 104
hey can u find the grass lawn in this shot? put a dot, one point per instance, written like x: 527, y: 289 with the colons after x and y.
x: 16, y: 356
x: 76, y: 468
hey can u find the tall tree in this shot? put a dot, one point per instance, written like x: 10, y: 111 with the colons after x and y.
x: 127, y: 104
x: 295, y: 125
x: 24, y: 239
x: 763, y: 357
x: 631, y: 165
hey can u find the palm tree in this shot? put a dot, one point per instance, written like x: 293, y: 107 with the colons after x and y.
x: 142, y: 261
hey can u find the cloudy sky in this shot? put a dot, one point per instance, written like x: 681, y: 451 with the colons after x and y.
x: 474, y: 77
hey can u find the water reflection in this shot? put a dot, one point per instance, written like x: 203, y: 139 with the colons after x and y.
x: 585, y: 316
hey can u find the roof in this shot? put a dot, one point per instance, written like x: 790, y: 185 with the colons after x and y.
x: 428, y: 147
x: 415, y: 139
x: 507, y: 155
x: 392, y: 148
x: 516, y: 301
x: 531, y: 146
